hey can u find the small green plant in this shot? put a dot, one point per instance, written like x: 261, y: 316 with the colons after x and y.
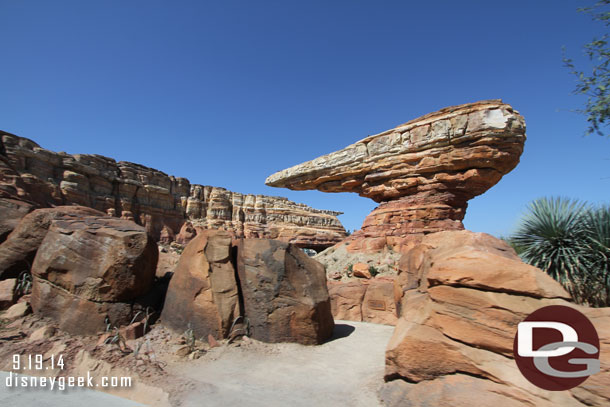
x: 147, y: 316
x: 373, y: 270
x: 24, y: 283
x: 350, y: 270
x: 136, y: 351
x: 117, y: 339
x: 189, y: 336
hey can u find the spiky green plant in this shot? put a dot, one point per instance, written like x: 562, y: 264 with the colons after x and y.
x: 597, y: 252
x: 569, y: 240
x: 24, y: 283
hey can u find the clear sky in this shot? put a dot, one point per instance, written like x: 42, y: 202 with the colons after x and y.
x: 227, y: 92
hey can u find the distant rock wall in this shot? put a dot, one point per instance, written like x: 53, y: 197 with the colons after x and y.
x: 154, y: 199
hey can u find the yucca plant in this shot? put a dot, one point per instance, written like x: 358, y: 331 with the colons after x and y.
x: 569, y: 240
x: 597, y: 252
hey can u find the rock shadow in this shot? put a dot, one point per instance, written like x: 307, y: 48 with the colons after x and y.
x: 341, y: 331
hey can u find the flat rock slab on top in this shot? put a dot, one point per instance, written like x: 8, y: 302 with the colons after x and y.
x: 422, y: 172
x: 471, y: 145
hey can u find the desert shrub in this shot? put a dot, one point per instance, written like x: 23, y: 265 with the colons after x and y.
x: 570, y: 240
x: 373, y: 270
x: 24, y: 283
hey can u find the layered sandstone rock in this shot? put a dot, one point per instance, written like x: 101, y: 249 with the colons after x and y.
x: 422, y: 172
x: 159, y: 202
x: 269, y: 289
x: 461, y: 296
x: 260, y: 216
x: 284, y: 291
x: 88, y: 268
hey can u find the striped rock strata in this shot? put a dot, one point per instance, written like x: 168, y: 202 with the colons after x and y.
x: 161, y: 203
x: 422, y: 172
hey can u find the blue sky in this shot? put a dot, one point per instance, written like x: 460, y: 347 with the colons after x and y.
x: 227, y: 92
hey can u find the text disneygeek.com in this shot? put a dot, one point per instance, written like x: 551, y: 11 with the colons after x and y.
x: 16, y: 380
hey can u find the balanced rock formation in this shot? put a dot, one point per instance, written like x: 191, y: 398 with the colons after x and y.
x: 89, y: 268
x: 161, y: 203
x: 269, y: 289
x: 461, y: 296
x: 422, y: 172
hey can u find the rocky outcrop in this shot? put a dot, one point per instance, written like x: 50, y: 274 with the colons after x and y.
x: 422, y: 172
x: 89, y: 268
x: 18, y: 251
x: 11, y: 212
x: 364, y: 300
x: 7, y: 293
x: 203, y: 293
x: 284, y: 292
x: 159, y: 202
x: 268, y: 289
x: 461, y: 296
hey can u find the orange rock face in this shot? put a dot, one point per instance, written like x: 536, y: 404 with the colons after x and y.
x: 461, y: 296
x: 422, y: 172
x: 364, y: 300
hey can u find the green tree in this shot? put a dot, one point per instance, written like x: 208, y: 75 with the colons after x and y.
x: 596, y: 85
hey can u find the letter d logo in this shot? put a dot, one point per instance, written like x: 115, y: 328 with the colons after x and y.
x: 556, y: 348
x: 526, y: 338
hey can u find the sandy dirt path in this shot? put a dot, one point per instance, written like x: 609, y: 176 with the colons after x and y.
x: 346, y: 371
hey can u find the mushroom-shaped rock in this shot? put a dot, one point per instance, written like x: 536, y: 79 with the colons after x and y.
x: 422, y: 172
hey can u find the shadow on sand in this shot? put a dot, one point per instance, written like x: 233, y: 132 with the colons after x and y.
x: 341, y: 331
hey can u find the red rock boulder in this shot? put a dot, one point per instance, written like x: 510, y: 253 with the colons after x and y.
x: 284, y: 291
x: 203, y: 292
x: 88, y: 268
x: 18, y: 251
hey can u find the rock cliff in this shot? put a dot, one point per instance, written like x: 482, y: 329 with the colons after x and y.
x: 152, y: 198
x: 422, y: 172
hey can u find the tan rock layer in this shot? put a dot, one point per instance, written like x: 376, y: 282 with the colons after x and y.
x: 153, y: 198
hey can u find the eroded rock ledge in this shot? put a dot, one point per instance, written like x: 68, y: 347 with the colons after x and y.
x: 422, y: 172
x: 160, y: 202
